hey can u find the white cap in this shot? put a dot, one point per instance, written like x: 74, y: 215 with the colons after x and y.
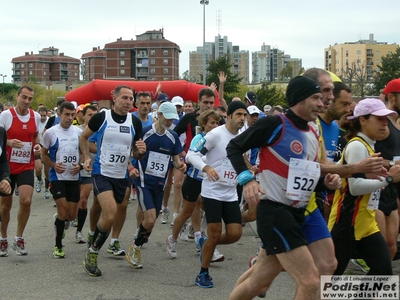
x: 177, y: 100
x: 252, y: 109
x: 267, y: 107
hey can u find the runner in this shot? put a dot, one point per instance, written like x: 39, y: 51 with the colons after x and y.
x: 21, y: 124
x: 162, y: 144
x: 218, y: 189
x: 117, y: 132
x: 60, y: 152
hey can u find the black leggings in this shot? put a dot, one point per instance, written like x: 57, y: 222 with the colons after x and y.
x: 373, y: 249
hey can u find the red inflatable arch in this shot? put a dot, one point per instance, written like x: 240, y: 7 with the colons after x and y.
x: 100, y: 89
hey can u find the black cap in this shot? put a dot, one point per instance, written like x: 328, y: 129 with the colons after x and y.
x: 300, y: 88
x: 234, y: 105
x: 251, y: 97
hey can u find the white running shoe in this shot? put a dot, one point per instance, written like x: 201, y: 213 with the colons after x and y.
x: 183, y: 235
x: 164, y: 215
x: 217, y: 257
x: 171, y: 246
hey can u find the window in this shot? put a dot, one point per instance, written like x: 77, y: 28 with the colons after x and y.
x: 30, y: 65
x: 165, y: 71
x: 122, y: 53
x: 165, y: 61
x: 152, y: 52
x: 44, y: 72
x: 152, y: 61
x: 165, y: 52
x: 22, y: 65
x: 122, y: 62
x: 22, y: 72
x: 75, y: 74
x: 358, y: 51
x: 122, y: 72
x: 358, y: 61
x: 30, y: 72
x: 44, y: 65
x: 378, y: 52
x: 378, y: 61
x: 347, y: 53
x: 152, y: 71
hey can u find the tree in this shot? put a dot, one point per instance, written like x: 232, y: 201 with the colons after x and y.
x: 186, y: 75
x: 287, y: 72
x: 270, y: 94
x: 7, y: 92
x: 356, y: 77
x: 222, y: 63
x: 389, y: 69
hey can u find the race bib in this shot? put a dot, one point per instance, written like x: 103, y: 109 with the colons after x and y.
x: 227, y: 175
x: 157, y: 164
x: 69, y: 155
x: 373, y: 201
x: 117, y: 155
x: 302, y: 179
x: 22, y: 155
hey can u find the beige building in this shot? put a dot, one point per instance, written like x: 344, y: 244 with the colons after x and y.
x: 363, y: 54
x: 220, y: 47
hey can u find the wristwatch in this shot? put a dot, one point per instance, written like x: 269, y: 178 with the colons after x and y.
x: 389, y: 179
x: 391, y: 163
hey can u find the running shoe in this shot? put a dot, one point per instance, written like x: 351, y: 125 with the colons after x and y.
x: 171, y: 246
x: 38, y: 186
x: 58, y: 253
x: 3, y: 248
x: 19, y: 247
x: 191, y: 231
x: 173, y: 219
x: 201, y: 242
x: 183, y: 235
x: 133, y: 257
x: 74, y: 222
x: 90, y: 263
x: 164, y: 215
x: 46, y: 194
x: 115, y: 249
x: 361, y: 264
x: 79, y: 238
x: 217, y: 257
x: 90, y: 240
x: 204, y: 280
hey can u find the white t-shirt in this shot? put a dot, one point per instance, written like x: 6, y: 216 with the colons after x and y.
x: 41, y: 126
x: 225, y: 188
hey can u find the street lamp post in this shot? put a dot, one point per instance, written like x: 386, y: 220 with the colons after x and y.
x: 3, y: 76
x: 204, y: 3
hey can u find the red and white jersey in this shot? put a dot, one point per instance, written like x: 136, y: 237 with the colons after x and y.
x: 24, y: 129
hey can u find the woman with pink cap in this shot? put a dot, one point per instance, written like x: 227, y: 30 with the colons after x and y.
x: 352, y: 220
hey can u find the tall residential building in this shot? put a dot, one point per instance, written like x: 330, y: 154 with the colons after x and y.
x: 364, y: 54
x: 47, y: 65
x: 149, y: 57
x: 268, y: 63
x: 220, y: 47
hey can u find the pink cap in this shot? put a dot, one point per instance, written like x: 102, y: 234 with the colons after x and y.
x: 371, y: 106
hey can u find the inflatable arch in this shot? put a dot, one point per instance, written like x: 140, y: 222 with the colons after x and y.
x: 100, y: 89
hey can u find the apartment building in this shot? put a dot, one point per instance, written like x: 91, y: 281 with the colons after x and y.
x: 220, y: 47
x: 47, y: 65
x: 268, y: 63
x: 149, y: 57
x: 365, y: 55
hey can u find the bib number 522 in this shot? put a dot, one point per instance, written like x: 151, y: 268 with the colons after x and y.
x: 303, y: 184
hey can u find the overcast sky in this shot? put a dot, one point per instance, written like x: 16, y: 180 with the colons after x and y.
x: 301, y: 29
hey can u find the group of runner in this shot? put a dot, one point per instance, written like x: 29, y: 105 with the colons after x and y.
x: 114, y: 150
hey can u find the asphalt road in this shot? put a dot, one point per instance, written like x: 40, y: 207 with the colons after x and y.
x: 39, y: 276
